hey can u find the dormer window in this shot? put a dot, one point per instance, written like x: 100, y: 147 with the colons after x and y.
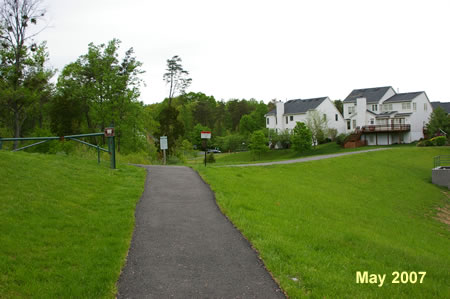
x: 375, y: 107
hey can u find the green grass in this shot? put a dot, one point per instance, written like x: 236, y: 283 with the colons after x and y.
x: 65, y: 225
x: 321, y: 221
x: 277, y: 155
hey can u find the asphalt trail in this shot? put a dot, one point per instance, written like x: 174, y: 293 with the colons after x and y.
x: 183, y: 246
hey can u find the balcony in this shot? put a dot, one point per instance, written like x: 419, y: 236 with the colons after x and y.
x: 385, y: 128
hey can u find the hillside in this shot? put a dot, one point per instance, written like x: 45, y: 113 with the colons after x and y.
x: 316, y: 224
x: 65, y: 225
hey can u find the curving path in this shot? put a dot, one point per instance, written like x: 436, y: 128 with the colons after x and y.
x: 321, y: 157
x: 183, y: 246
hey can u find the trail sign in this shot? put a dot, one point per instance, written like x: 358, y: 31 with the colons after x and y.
x: 205, y: 134
x: 109, y: 132
x: 163, y: 142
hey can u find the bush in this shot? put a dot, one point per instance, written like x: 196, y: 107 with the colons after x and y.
x: 428, y: 142
x: 439, y: 140
x: 301, y: 138
x: 210, y: 158
x: 341, y: 138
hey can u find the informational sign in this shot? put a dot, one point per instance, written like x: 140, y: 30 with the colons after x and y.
x: 109, y: 132
x: 163, y: 142
x: 205, y: 135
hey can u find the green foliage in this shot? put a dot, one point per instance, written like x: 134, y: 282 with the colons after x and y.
x: 439, y: 140
x: 282, y: 139
x: 247, y: 125
x: 231, y: 143
x: 301, y: 137
x: 210, y: 158
x: 341, y: 138
x: 258, y: 143
x: 318, y: 125
x: 339, y: 106
x: 439, y: 120
x: 176, y: 77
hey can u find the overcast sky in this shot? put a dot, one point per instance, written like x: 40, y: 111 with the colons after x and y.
x: 266, y: 49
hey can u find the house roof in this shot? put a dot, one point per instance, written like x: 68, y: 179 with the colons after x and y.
x: 372, y: 95
x: 445, y: 106
x: 403, y: 97
x: 299, y: 106
x: 385, y: 114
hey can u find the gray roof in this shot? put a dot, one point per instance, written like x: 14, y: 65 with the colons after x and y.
x: 403, y: 97
x: 385, y: 114
x: 372, y: 95
x: 445, y: 105
x: 299, y: 106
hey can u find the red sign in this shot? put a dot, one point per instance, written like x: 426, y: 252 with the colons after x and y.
x: 205, y: 134
x: 109, y: 132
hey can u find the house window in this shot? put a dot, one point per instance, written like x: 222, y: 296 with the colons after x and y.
x: 336, y: 117
x: 291, y: 118
x: 351, y: 109
x: 406, y: 106
x: 387, y: 107
x: 267, y: 120
x: 372, y: 121
x: 287, y: 120
x: 354, y: 123
x: 414, y: 106
x: 324, y: 117
x: 348, y: 125
x: 425, y: 107
x: 374, y: 107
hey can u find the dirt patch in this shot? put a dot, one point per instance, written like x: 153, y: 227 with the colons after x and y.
x: 443, y: 213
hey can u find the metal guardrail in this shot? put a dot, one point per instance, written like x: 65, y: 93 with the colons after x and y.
x: 109, y: 133
x: 443, y: 160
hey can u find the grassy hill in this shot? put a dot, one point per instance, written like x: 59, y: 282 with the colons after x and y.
x: 316, y: 224
x: 65, y: 225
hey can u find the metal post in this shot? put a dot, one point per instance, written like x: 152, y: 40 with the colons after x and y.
x: 164, y: 153
x: 112, y: 149
x: 204, y: 148
x: 98, y: 154
x: 0, y: 143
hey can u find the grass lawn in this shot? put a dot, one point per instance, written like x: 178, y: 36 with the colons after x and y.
x: 65, y: 225
x: 316, y: 224
x: 276, y: 155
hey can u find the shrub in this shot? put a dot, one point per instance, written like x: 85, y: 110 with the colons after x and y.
x: 439, y: 140
x: 428, y: 142
x: 341, y: 138
x: 210, y: 158
x: 301, y: 138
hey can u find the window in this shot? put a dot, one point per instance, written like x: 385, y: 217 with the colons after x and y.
x: 387, y: 107
x: 267, y: 120
x: 348, y: 125
x: 291, y: 118
x: 287, y: 120
x: 325, y: 117
x: 336, y: 117
x: 414, y: 106
x: 372, y: 121
x: 406, y: 106
x: 354, y: 123
x: 374, y: 107
x: 425, y: 107
x: 351, y: 109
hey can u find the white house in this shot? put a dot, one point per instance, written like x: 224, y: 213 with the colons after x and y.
x: 286, y: 115
x: 381, y: 116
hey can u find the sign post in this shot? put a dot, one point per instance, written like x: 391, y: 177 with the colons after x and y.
x: 109, y: 133
x: 163, y: 146
x: 205, y: 135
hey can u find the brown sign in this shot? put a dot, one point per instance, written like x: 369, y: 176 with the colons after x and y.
x: 109, y: 132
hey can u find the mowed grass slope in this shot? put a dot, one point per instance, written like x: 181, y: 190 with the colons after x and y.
x: 316, y: 224
x: 65, y: 225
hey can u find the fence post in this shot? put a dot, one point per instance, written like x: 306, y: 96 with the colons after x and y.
x: 112, y: 150
x: 98, y: 154
x: 0, y: 143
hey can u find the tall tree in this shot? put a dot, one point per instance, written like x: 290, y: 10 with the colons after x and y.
x: 177, y: 78
x: 18, y: 64
x: 439, y: 122
x: 301, y: 137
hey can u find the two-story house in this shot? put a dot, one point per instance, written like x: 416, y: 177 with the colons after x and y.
x: 380, y: 116
x: 286, y: 115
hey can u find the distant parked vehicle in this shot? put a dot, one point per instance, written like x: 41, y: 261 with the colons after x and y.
x: 214, y: 150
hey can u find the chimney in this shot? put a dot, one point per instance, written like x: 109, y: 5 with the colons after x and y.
x: 361, y: 107
x: 280, y: 113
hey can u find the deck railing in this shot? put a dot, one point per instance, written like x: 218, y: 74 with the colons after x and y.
x: 443, y: 160
x: 385, y: 128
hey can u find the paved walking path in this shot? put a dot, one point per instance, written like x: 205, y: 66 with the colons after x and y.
x: 183, y: 247
x: 308, y: 158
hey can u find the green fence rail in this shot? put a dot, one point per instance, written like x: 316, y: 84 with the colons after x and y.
x: 443, y: 160
x: 109, y: 134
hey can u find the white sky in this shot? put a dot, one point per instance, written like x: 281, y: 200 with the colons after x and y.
x: 266, y: 49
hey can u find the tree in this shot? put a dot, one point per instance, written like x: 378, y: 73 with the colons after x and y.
x: 339, y: 106
x: 176, y: 77
x: 258, y: 143
x: 22, y: 60
x: 247, y: 125
x: 318, y: 125
x: 301, y: 137
x: 439, y: 120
